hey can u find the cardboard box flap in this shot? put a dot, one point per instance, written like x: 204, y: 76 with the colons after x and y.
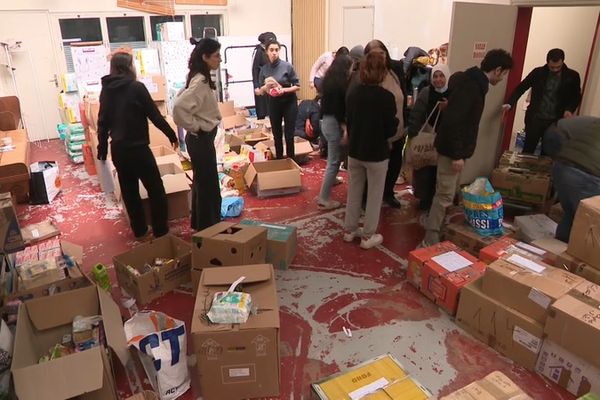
x: 72, y: 303
x: 279, y: 180
x: 224, y: 276
x: 67, y: 378
x: 113, y: 327
x: 250, y: 175
x: 211, y: 231
x: 226, y: 108
x: 73, y: 250
x: 241, y: 234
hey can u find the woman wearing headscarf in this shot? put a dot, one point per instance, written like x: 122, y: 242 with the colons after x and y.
x: 125, y: 106
x: 430, y: 102
x: 196, y: 110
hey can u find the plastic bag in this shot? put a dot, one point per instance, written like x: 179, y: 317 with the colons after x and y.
x: 483, y: 207
x: 230, y: 307
x: 232, y: 206
x: 161, y: 341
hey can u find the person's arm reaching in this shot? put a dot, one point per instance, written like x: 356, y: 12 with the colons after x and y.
x: 154, y: 115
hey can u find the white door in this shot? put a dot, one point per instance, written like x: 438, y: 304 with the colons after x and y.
x: 358, y: 25
x: 35, y: 71
x: 475, y: 29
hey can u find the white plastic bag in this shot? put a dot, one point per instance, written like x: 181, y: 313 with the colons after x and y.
x: 161, y: 341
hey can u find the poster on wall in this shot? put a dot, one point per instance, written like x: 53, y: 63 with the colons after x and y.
x: 90, y: 64
x: 479, y: 50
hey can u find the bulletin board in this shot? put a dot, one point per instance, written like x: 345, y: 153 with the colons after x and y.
x: 90, y: 64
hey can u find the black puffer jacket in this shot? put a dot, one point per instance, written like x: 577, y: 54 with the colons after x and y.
x: 457, y: 134
x: 125, y: 106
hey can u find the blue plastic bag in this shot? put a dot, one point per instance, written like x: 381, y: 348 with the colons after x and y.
x: 484, y: 208
x: 232, y: 206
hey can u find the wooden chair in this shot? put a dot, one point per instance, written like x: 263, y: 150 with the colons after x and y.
x: 12, y: 105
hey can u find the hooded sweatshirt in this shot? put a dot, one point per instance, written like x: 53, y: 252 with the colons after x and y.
x: 125, y: 107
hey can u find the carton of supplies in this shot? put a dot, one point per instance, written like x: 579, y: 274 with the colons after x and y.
x: 505, y: 247
x: 495, y: 386
x: 522, y: 186
x: 281, y: 242
x: 584, y: 242
x: 526, y: 161
x: 578, y: 267
x: 418, y: 257
x: 535, y: 227
x: 465, y: 237
x: 274, y: 178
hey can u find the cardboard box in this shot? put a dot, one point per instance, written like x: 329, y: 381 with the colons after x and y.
x: 505, y: 247
x: 156, y: 85
x: 505, y: 329
x: 465, y: 237
x: 234, y: 121
x: 150, y: 285
x: 227, y: 244
x: 574, y: 322
x: 534, y: 227
x: 381, y: 378
x: 529, y: 287
x: 418, y: 257
x: 442, y: 278
x: 495, y: 386
x: 521, y: 186
x: 584, y: 242
x: 85, y: 375
x: 227, y: 109
x: 241, y: 360
x: 34, y: 233
x: 157, y: 137
x: 556, y: 213
x: 552, y: 247
x: 176, y: 185
x: 252, y: 136
x: 166, y: 155
x: 568, y: 370
x: 526, y: 161
x: 11, y: 239
x: 569, y: 263
x: 281, y: 242
x: 302, y: 147
x: 274, y: 178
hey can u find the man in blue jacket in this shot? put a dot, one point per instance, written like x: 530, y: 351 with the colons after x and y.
x: 555, y: 94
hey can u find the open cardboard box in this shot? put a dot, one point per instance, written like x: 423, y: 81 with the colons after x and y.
x: 156, y: 85
x: 252, y: 136
x: 495, y: 386
x: 241, y: 360
x: 274, y: 177
x: 148, y: 286
x: 166, y: 155
x: 177, y: 187
x: 86, y: 375
x: 522, y: 186
x: 234, y: 121
x: 281, y: 242
x: 302, y: 147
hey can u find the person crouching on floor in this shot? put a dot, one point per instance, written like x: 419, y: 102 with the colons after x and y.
x: 371, y: 122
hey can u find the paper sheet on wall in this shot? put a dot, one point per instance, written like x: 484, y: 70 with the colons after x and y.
x: 148, y: 60
x: 452, y: 261
x: 90, y: 64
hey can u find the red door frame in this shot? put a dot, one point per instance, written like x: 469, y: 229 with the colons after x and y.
x: 519, y: 51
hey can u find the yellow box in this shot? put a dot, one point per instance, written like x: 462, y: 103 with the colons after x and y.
x: 382, y: 378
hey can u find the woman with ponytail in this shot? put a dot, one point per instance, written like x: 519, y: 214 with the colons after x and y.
x: 196, y: 110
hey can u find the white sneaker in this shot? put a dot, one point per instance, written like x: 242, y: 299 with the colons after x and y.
x: 338, y: 180
x: 350, y: 236
x: 374, y: 240
x: 328, y: 205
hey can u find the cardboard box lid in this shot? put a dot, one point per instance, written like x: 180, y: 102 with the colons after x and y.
x: 227, y: 109
x: 228, y: 232
x: 259, y: 282
x: 162, y: 150
x: 58, y: 310
x: 165, y: 246
x: 275, y: 232
x: 581, y: 303
x: 495, y: 386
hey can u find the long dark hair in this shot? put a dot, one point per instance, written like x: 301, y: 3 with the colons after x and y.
x: 121, y: 64
x: 197, y: 65
x: 337, y: 74
x: 373, y: 44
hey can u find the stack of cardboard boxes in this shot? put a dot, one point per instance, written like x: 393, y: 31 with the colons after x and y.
x: 523, y: 179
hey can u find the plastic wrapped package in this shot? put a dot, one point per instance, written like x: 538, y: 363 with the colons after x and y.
x: 230, y: 307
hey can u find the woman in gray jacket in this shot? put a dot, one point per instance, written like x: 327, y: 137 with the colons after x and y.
x: 197, y: 111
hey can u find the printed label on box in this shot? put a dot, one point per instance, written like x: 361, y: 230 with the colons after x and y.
x: 212, y: 349
x: 539, y: 298
x: 239, y: 372
x: 368, y: 389
x: 526, y: 339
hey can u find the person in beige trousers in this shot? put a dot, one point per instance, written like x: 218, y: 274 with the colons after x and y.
x: 456, y: 137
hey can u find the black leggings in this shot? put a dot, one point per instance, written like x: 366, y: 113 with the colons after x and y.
x: 134, y: 165
x: 206, y: 194
x: 283, y: 109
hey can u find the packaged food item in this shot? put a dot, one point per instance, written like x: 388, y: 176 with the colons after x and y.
x: 87, y: 332
x: 57, y: 351
x: 230, y: 307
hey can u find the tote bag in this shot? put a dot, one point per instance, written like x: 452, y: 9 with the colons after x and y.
x: 422, y: 152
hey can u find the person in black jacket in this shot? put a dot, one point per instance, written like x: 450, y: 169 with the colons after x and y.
x: 456, y: 136
x: 259, y: 59
x: 371, y: 123
x: 555, y: 94
x: 125, y: 106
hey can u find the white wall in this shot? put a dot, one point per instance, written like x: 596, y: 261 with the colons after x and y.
x: 401, y: 23
x: 243, y: 17
x: 591, y: 97
x: 554, y: 27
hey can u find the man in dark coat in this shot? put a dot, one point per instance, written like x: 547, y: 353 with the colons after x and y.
x: 555, y: 94
x: 456, y: 137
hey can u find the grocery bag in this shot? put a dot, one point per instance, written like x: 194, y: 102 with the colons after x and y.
x: 421, y: 150
x: 232, y: 206
x: 45, y: 182
x: 161, y: 342
x: 483, y: 207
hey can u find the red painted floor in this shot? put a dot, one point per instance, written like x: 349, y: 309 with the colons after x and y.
x: 330, y: 285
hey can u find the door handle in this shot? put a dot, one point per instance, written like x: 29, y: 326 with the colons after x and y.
x: 55, y: 80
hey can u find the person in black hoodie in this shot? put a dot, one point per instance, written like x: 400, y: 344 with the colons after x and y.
x: 125, y: 106
x: 456, y: 137
x: 372, y: 124
x: 259, y: 58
